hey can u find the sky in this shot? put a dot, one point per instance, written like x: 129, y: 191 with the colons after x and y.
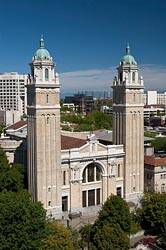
x: 86, y: 38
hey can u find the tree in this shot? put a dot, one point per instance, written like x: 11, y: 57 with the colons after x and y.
x: 110, y: 237
x: 115, y: 211
x: 86, y: 235
x: 2, y: 126
x: 93, y: 121
x: 152, y: 215
x: 58, y: 238
x: 11, y: 175
x: 112, y: 227
x: 3, y: 158
x: 151, y: 134
x: 159, y: 144
x: 22, y: 222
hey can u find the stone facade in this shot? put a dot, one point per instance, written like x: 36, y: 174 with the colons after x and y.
x: 44, y: 144
x: 155, y: 174
x: 74, y: 177
x: 77, y: 167
x: 128, y: 124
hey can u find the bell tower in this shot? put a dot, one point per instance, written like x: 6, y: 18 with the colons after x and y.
x: 128, y: 124
x: 44, y: 144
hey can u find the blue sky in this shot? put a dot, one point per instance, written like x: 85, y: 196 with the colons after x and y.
x: 87, y: 38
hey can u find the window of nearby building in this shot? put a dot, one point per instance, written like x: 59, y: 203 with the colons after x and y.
x: 118, y: 170
x: 91, y: 197
x: 46, y: 74
x: 64, y: 177
x: 163, y: 176
x: 65, y: 203
x: 98, y: 196
x: 92, y: 173
x: 91, y: 176
x: 119, y: 191
x: 163, y: 188
x: 47, y: 98
x: 133, y: 77
x: 84, y: 198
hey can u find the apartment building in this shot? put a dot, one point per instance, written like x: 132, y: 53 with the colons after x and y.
x: 13, y: 96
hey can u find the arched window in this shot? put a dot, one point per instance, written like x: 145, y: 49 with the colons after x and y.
x: 118, y: 172
x: 133, y: 77
x: 92, y: 173
x: 46, y: 74
x: 92, y: 196
x: 47, y: 98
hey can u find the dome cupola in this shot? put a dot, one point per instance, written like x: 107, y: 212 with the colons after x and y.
x: 42, y: 54
x: 128, y: 59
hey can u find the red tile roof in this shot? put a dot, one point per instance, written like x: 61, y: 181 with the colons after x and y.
x: 17, y: 125
x: 155, y: 161
x: 68, y: 142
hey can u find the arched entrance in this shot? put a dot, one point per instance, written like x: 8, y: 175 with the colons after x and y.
x: 92, y: 185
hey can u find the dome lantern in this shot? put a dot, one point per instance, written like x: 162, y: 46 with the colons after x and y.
x: 128, y: 59
x: 42, y: 54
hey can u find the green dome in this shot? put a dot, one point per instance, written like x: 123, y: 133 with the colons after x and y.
x: 42, y: 53
x: 128, y: 59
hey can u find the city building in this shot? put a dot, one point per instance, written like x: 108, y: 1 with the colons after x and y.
x: 153, y: 110
x: 83, y: 103
x: 155, y: 173
x: 12, y: 96
x: 154, y: 98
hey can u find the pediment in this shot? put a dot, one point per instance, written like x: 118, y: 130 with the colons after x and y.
x: 90, y: 147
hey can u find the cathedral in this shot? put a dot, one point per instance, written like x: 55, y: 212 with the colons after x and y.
x: 73, y: 177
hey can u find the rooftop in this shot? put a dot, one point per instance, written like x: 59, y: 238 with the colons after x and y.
x: 155, y: 161
x: 17, y: 125
x: 68, y: 142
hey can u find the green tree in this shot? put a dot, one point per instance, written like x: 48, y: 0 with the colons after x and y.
x: 58, y: 238
x: 86, y: 233
x: 3, y: 158
x: 152, y: 215
x: 110, y: 237
x: 2, y: 126
x: 93, y: 121
x: 112, y: 227
x: 151, y: 134
x: 22, y: 222
x: 115, y: 211
x: 11, y: 175
x: 159, y: 144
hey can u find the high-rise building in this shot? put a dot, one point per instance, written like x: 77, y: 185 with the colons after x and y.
x: 13, y: 94
x: 152, y: 97
x: 128, y: 124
